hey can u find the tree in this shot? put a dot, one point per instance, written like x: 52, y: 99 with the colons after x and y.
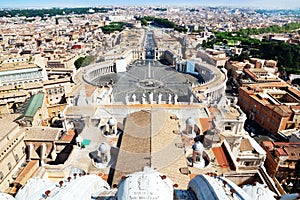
x: 83, y: 61
x: 112, y: 27
x: 204, y: 44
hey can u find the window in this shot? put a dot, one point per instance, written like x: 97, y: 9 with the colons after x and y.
x: 9, y: 166
x: 198, y: 158
x: 105, y: 158
x: 283, y: 163
x: 17, y: 157
x: 248, y: 163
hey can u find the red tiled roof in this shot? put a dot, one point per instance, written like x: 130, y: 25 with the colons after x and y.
x: 206, y: 124
x: 221, y: 157
x: 268, y: 144
x: 281, y: 152
x: 68, y: 137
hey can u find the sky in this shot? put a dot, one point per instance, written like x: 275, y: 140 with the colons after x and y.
x: 279, y: 4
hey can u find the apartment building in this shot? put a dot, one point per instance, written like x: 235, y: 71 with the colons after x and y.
x: 274, y: 106
x: 282, y: 158
x: 56, y: 90
x: 214, y: 57
x: 12, y: 149
x: 13, y: 73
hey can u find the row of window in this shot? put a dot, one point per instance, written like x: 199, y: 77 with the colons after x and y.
x: 17, y: 60
x: 9, y: 166
x: 30, y: 81
x: 8, y: 147
x: 55, y: 91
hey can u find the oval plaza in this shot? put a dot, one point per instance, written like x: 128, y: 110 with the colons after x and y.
x: 136, y: 80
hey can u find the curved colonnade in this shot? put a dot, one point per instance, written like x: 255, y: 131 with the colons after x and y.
x: 97, y: 70
x: 210, y: 87
x: 214, y: 84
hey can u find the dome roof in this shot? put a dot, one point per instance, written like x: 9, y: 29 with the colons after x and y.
x: 148, y: 184
x: 5, y: 196
x: 206, y: 187
x: 112, y: 121
x: 84, y: 187
x: 104, y: 147
x: 190, y: 121
x: 259, y: 191
x: 198, y: 146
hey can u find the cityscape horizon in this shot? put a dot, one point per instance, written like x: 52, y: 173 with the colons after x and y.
x: 265, y: 4
x: 118, y: 100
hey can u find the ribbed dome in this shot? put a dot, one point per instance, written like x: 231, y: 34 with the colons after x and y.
x: 190, y: 121
x: 104, y: 147
x: 145, y: 185
x: 112, y: 122
x: 198, y: 146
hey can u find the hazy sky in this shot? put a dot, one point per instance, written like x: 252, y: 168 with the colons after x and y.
x: 73, y: 3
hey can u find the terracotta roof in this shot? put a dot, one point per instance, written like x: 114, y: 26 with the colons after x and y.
x: 206, y: 124
x: 221, y: 157
x: 68, y: 137
x: 269, y: 145
x: 281, y: 152
x: 27, y: 172
x: 290, y: 149
x: 214, y: 111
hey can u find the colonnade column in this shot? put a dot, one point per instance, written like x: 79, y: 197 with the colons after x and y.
x: 43, y: 153
x: 30, y: 148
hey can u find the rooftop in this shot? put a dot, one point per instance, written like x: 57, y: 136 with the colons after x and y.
x: 148, y: 140
x: 36, y: 102
x: 246, y: 145
x: 16, y: 66
x: 41, y: 133
x: 7, y: 124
